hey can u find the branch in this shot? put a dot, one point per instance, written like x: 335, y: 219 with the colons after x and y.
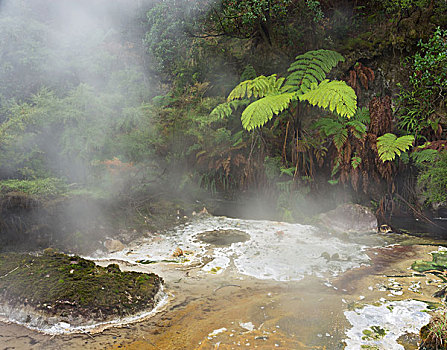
x: 9, y: 272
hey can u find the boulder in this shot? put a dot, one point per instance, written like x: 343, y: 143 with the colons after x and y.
x: 114, y: 245
x: 349, y: 217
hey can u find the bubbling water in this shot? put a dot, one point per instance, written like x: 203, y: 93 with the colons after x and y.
x: 262, y: 249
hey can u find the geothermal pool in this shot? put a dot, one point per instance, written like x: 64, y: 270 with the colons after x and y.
x: 232, y: 283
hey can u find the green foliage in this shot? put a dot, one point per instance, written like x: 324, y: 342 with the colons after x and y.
x: 339, y: 129
x: 261, y: 111
x: 395, y: 6
x: 272, y: 167
x: 44, y: 188
x: 358, y: 128
x: 311, y: 68
x: 424, y: 156
x: 433, y: 180
x: 224, y: 110
x: 328, y: 126
x: 166, y: 37
x: 24, y: 54
x: 64, y: 136
x: 243, y: 18
x: 422, y: 101
x: 315, y: 8
x: 274, y: 95
x: 256, y: 88
x: 362, y: 115
x: 389, y: 146
x: 355, y: 162
x: 248, y: 73
x: 333, y: 128
x: 335, y: 95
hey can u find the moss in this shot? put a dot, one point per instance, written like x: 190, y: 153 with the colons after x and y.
x: 438, y: 263
x: 357, y: 44
x: 58, y: 284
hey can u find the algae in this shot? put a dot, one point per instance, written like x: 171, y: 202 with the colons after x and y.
x: 439, y: 263
x: 69, y: 286
x: 374, y: 333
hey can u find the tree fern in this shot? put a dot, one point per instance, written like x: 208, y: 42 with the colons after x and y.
x: 261, y: 111
x: 311, y: 68
x: 224, y: 110
x: 256, y: 88
x: 335, y: 95
x: 389, y: 146
x: 272, y: 95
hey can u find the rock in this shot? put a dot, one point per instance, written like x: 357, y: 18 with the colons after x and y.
x: 177, y: 253
x: 385, y: 229
x: 349, y: 217
x: 114, y: 245
x: 203, y: 212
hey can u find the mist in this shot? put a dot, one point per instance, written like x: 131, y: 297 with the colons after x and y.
x: 78, y: 62
x: 73, y: 78
x: 237, y: 165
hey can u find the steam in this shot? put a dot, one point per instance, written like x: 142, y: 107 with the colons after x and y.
x: 81, y: 49
x: 84, y: 62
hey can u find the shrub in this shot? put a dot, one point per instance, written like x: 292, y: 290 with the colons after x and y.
x: 433, y: 180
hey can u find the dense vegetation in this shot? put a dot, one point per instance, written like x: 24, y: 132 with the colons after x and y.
x: 223, y: 97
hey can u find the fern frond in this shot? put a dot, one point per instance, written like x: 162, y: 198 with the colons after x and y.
x: 362, y: 115
x: 328, y: 126
x: 340, y: 138
x: 335, y: 95
x: 261, y: 111
x: 355, y: 161
x: 388, y: 145
x: 311, y: 68
x: 257, y: 88
x: 425, y: 155
x: 225, y: 109
x: 237, y: 138
x: 358, y: 128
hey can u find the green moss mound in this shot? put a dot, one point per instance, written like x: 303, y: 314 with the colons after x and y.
x: 70, y: 286
x: 439, y: 263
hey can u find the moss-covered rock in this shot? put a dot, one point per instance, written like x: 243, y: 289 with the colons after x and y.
x: 55, y: 284
x: 349, y: 217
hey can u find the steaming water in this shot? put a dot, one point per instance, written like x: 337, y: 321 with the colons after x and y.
x: 281, y: 278
x: 276, y: 250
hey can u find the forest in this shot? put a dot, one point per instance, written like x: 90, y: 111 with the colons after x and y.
x: 286, y: 100
x: 137, y: 114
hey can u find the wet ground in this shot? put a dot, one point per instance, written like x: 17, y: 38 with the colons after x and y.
x: 287, y: 287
